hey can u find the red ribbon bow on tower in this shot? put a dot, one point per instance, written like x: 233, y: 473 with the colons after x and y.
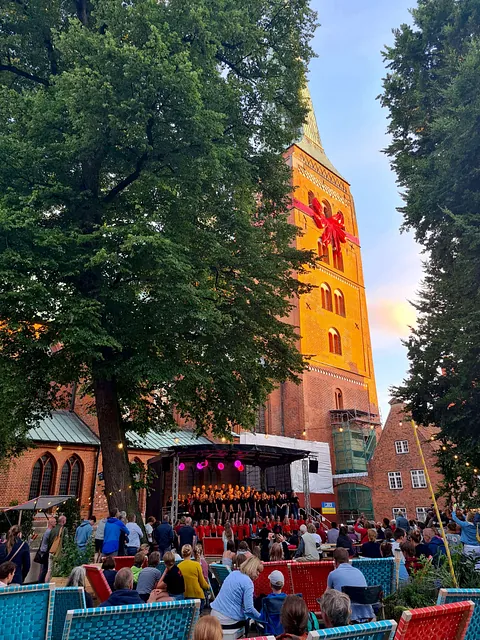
x: 333, y: 228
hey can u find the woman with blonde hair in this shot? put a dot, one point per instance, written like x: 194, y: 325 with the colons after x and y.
x: 371, y: 549
x: 199, y: 557
x: 15, y: 550
x: 195, y: 583
x: 234, y: 602
x: 276, y: 552
x: 208, y: 628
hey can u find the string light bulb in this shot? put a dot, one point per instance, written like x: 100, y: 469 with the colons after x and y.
x: 341, y: 429
x: 400, y: 424
x: 467, y: 464
x: 456, y: 457
x: 176, y: 440
x: 224, y: 439
x: 59, y: 448
x: 475, y: 471
x: 120, y: 445
x: 444, y: 448
x: 304, y: 433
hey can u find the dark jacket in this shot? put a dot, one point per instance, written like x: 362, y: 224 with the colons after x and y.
x: 20, y: 559
x: 163, y: 535
x: 123, y: 596
x: 346, y: 543
x: 109, y: 575
x: 371, y: 550
x: 436, y: 546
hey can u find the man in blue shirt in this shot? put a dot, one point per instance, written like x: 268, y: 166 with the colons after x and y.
x: 401, y: 522
x: 111, y: 538
x: 344, y: 575
x: 83, y: 534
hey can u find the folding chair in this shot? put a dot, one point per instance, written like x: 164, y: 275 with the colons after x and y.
x: 380, y: 630
x: 446, y: 596
x: 442, y: 622
x: 366, y: 595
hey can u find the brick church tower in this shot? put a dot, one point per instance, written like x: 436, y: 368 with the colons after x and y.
x: 336, y: 401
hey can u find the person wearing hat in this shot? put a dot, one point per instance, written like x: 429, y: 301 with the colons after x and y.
x: 272, y: 605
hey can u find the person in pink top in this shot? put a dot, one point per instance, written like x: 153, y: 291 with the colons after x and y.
x: 360, y: 528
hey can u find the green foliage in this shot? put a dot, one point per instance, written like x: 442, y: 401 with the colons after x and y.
x: 72, y: 557
x: 142, y: 475
x: 144, y: 210
x: 432, y: 92
x: 71, y: 510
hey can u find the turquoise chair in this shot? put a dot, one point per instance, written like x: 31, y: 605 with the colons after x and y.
x: 26, y: 612
x: 377, y: 571
x: 166, y: 620
x: 66, y: 598
x: 445, y: 596
x: 220, y: 571
x: 381, y: 630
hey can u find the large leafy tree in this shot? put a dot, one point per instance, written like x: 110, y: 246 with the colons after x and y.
x: 432, y: 92
x: 145, y: 250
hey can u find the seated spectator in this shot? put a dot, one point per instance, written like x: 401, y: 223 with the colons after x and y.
x: 294, y: 618
x: 412, y: 563
x: 361, y: 527
x: 344, y: 541
x: 279, y: 539
x: 208, y: 628
x: 351, y: 534
x: 399, y: 536
x: 333, y: 533
x: 137, y: 565
x: 78, y: 578
x: 172, y: 580
x: 243, y: 550
x: 336, y: 608
x: 234, y: 602
x: 386, y: 549
x: 272, y: 604
x: 124, y: 592
x: 7, y: 571
x: 371, y: 549
x: 229, y: 555
x: 311, y: 528
x: 421, y: 549
x: 307, y: 549
x: 345, y: 575
x: 199, y: 557
x: 108, y: 568
x: 294, y: 539
x: 195, y: 583
x: 434, y: 542
x: 388, y: 535
x: 276, y: 552
x: 148, y: 577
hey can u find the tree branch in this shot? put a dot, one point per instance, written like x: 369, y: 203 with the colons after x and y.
x: 30, y: 76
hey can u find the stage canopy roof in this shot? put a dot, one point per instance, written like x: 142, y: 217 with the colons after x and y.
x: 251, y: 454
x: 41, y: 503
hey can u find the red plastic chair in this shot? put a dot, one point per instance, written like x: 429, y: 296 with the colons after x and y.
x: 262, y: 583
x: 442, y: 622
x: 123, y: 561
x: 310, y: 579
x: 213, y: 546
x: 98, y: 582
x: 263, y: 638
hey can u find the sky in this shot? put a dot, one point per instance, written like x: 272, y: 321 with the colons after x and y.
x: 344, y: 82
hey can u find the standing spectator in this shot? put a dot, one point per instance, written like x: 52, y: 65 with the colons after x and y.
x: 149, y: 530
x: 336, y: 609
x: 199, y: 557
x: 345, y: 575
x: 55, y: 543
x: 99, y: 533
x: 186, y: 535
x: 401, y: 522
x: 135, y: 535
x: 164, y: 536
x: 344, y: 541
x: 453, y: 537
x: 333, y: 533
x: 468, y: 534
x: 17, y: 551
x: 42, y: 555
x: 78, y: 578
x: 361, y: 529
x: 113, y: 529
x: 371, y: 549
x: 83, y: 534
x: 7, y: 573
x: 195, y: 583
x: 122, y: 542
x: 108, y: 568
x: 148, y: 577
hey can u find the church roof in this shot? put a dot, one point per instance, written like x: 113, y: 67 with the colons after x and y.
x: 310, y: 141
x: 63, y: 427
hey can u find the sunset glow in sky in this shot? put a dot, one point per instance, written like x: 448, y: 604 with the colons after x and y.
x: 345, y: 80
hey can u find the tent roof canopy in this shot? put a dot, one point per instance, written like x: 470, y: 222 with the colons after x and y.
x: 42, y: 503
x: 251, y: 454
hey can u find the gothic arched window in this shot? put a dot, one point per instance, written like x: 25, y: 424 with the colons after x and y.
x: 326, y: 296
x: 327, y: 209
x: 339, y: 302
x: 71, y: 477
x: 43, y: 477
x: 334, y: 342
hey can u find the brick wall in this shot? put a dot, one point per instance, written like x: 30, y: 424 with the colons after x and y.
x: 385, y: 460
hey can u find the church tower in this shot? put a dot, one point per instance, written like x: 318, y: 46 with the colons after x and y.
x: 336, y: 401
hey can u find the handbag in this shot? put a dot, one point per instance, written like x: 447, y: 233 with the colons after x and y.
x: 57, y: 542
x: 40, y: 557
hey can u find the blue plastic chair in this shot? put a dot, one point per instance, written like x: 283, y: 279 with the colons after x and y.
x: 66, y: 598
x: 220, y: 571
x: 445, y: 596
x: 166, y: 620
x: 381, y: 630
x: 26, y: 612
x: 377, y: 571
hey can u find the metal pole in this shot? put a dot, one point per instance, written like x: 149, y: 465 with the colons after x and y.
x: 175, y: 479
x: 432, y: 493
x: 306, y: 486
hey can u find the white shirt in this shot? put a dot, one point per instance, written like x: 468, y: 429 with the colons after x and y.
x: 317, y: 537
x: 149, y: 530
x: 134, y: 534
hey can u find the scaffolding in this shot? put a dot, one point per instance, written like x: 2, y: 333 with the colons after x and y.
x: 354, y: 499
x: 354, y: 439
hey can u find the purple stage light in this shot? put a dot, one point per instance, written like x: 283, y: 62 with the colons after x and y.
x: 199, y: 466
x: 220, y: 466
x: 181, y: 466
x: 237, y: 464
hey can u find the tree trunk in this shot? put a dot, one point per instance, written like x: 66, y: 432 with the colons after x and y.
x: 116, y: 469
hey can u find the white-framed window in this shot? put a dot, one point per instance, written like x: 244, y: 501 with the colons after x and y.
x: 401, y: 446
x: 395, y: 480
x: 418, y: 479
x: 399, y: 511
x: 422, y: 513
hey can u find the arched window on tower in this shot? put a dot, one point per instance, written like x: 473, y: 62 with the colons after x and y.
x: 43, y: 477
x: 338, y: 399
x: 338, y: 261
x: 71, y: 477
x: 327, y: 209
x: 326, y: 297
x: 334, y: 342
x: 311, y: 196
x: 339, y: 303
x: 323, y: 253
